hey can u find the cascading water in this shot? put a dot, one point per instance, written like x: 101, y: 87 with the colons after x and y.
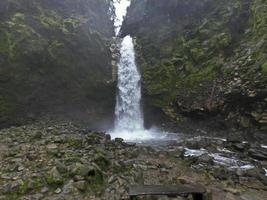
x: 129, y: 119
x: 128, y: 112
x: 129, y: 123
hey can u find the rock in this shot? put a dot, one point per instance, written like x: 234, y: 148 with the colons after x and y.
x: 220, y: 173
x: 192, y: 144
x: 51, y: 146
x: 83, y: 170
x: 44, y: 190
x: 80, y: 185
x: 61, y: 167
x: 78, y: 178
x: 20, y: 168
x: 52, y: 149
x: 181, y: 180
x: 207, y: 196
x: 108, y: 137
x: 252, y: 195
x: 69, y: 188
x: 245, y: 122
x: 101, y: 161
x: 11, y: 187
x: 205, y: 158
x: 240, y: 146
x: 31, y: 184
x: 235, y: 137
x: 53, y: 177
x: 58, y: 191
x: 258, y: 154
x: 119, y: 140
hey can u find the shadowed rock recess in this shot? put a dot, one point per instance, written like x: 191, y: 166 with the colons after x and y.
x: 55, y: 60
x: 202, y: 60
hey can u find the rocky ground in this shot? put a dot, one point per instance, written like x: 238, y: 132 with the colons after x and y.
x: 64, y: 161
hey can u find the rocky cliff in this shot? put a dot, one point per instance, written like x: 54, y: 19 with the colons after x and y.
x: 203, y: 59
x: 55, y: 60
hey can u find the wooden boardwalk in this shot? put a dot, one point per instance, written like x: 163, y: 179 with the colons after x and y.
x: 197, y: 191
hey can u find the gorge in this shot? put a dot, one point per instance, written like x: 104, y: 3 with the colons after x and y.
x: 97, y: 96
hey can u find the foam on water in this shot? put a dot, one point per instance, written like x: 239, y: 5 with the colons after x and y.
x: 194, y: 152
x: 230, y: 163
x: 138, y: 135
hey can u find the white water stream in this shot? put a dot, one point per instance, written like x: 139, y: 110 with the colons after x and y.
x: 129, y: 123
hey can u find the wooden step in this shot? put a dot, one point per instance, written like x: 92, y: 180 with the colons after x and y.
x: 197, y: 191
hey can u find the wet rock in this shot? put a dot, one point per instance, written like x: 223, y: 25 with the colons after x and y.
x: 245, y: 122
x: 258, y: 154
x: 205, y: 158
x: 240, y: 146
x: 263, y: 179
x: 193, y: 144
x: 235, y: 137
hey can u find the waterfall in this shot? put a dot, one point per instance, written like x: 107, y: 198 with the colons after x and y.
x: 128, y: 111
x: 129, y: 123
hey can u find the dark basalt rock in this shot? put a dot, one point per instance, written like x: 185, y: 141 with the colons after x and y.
x: 258, y: 154
x: 55, y: 61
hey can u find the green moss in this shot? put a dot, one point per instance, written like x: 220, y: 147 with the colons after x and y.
x: 194, y: 78
x: 74, y: 142
x: 54, y: 47
x: 264, y: 68
x: 15, y: 32
x: 53, y: 21
x: 54, y: 182
x: 227, y: 71
x: 259, y: 18
x: 24, y: 187
x: 96, y: 182
x: 102, y: 161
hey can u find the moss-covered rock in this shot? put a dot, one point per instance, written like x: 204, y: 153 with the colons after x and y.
x: 52, y: 54
x: 204, y: 62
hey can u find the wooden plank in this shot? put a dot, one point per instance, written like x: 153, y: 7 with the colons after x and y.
x: 141, y: 190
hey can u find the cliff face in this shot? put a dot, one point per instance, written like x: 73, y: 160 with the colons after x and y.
x: 55, y: 59
x: 203, y: 59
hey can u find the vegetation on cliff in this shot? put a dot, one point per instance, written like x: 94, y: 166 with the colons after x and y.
x: 202, y: 57
x: 55, y: 58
